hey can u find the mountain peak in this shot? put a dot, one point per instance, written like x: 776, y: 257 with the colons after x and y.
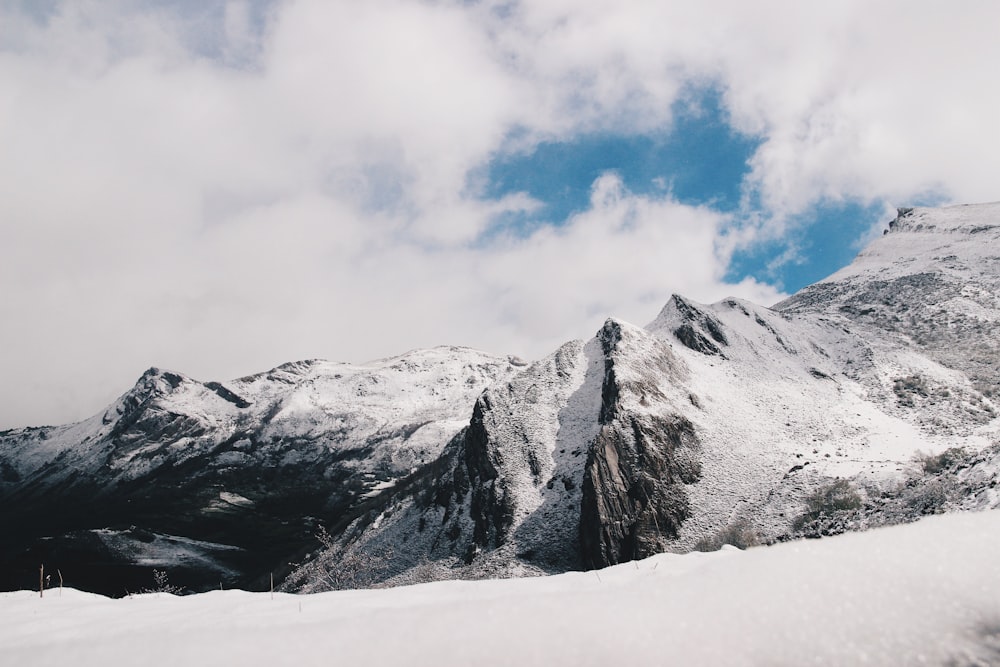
x: 692, y: 325
x: 155, y: 382
x: 154, y: 374
x: 961, y: 218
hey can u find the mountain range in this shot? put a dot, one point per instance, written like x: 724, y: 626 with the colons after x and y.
x: 868, y: 398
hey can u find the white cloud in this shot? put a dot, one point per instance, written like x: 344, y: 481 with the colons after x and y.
x: 883, y: 101
x: 301, y: 186
x: 852, y: 99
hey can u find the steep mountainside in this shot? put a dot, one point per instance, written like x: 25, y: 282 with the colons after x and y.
x: 867, y: 398
x: 225, y: 482
x: 720, y: 422
x: 933, y: 283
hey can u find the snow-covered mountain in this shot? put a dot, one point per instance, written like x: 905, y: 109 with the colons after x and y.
x: 723, y: 422
x: 225, y: 482
x: 867, y: 398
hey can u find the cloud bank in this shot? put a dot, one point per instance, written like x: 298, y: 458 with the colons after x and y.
x: 221, y: 190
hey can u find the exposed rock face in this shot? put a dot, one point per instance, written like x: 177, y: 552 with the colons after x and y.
x: 695, y: 328
x: 633, y: 489
x: 490, y: 509
x: 633, y: 497
x: 522, y: 458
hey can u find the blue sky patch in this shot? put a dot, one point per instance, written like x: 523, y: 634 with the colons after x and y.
x: 825, y: 239
x: 701, y: 161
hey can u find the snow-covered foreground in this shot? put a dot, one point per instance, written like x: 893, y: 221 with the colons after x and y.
x: 925, y: 593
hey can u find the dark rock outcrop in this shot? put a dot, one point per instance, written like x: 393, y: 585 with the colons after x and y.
x: 693, y: 327
x: 490, y: 510
x: 633, y: 497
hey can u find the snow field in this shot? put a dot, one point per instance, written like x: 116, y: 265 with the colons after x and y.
x: 924, y: 593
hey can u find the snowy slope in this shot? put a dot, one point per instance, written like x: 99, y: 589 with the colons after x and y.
x: 243, y: 470
x: 720, y: 417
x: 931, y: 283
x: 405, y: 408
x: 924, y: 594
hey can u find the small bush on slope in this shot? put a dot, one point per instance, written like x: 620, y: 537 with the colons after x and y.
x: 740, y: 533
x: 163, y: 584
x: 956, y: 479
x: 828, y: 502
x: 943, y: 461
x: 338, y: 567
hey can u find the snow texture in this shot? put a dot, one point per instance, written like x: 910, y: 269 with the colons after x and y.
x: 924, y: 593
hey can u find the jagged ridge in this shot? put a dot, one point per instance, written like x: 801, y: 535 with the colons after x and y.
x: 712, y: 421
x: 713, y: 417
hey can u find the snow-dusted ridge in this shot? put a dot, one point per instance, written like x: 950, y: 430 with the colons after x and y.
x: 255, y: 463
x: 721, y: 418
x: 713, y: 421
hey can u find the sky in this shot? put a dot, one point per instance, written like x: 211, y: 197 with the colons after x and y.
x: 220, y: 187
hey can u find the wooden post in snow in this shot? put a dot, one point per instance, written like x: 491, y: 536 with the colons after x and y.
x: 41, y: 580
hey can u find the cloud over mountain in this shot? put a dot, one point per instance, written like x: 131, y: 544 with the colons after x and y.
x: 222, y: 189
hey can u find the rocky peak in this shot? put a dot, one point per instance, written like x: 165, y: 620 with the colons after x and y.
x: 966, y: 219
x: 589, y: 439
x: 633, y: 496
x: 692, y: 326
x: 151, y: 385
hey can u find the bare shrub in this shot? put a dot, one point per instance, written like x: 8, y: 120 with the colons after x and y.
x: 163, y: 584
x: 338, y: 567
x: 740, y: 533
x: 928, y: 497
x: 907, y: 387
x: 837, y: 498
x: 943, y: 461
